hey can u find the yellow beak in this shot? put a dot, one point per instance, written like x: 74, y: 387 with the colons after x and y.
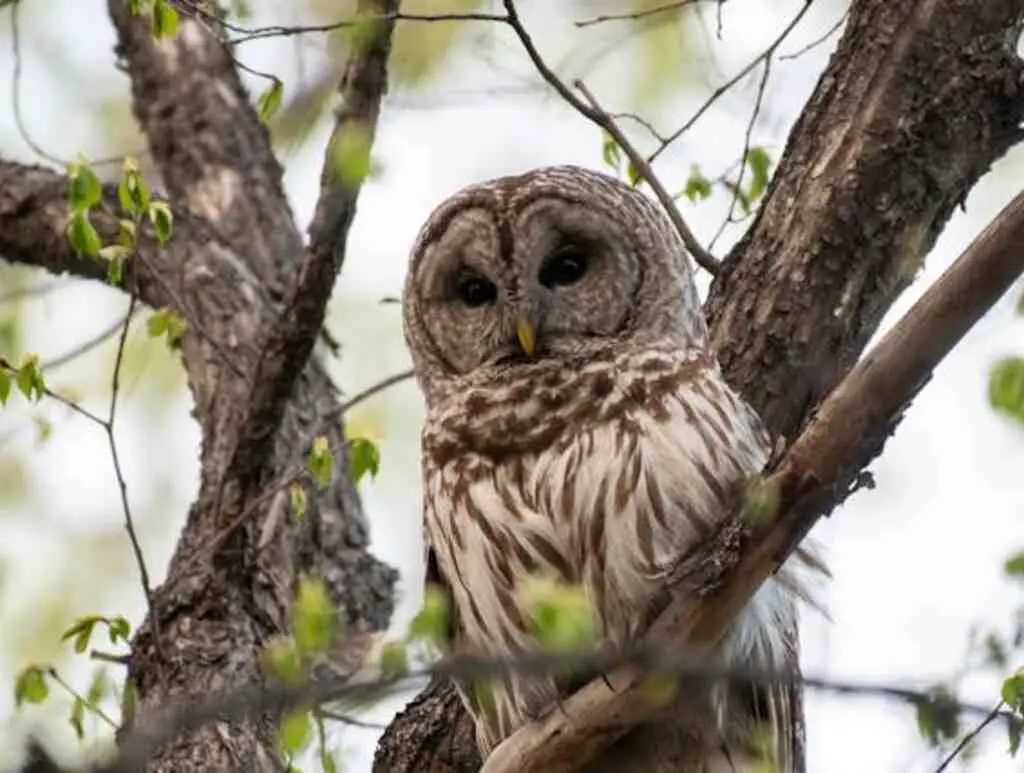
x: 526, y: 335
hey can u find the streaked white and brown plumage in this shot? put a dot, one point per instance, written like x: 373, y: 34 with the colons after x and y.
x: 578, y: 425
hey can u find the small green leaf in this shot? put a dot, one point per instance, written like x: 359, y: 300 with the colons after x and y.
x: 1012, y: 691
x: 432, y: 621
x: 300, y: 501
x: 1014, y: 565
x: 282, y: 660
x: 1014, y: 726
x: 697, y: 185
x: 295, y: 731
x: 97, y: 687
x: 611, y: 152
x: 327, y: 761
x: 394, y: 660
x: 315, y: 617
x: 77, y: 717
x: 938, y: 716
x: 29, y: 378
x: 82, y: 234
x: 132, y: 190
x: 739, y: 195
x: 320, y: 461
x: 119, y: 629
x: 350, y: 155
x: 562, y: 616
x: 633, y: 175
x: 760, y: 164
x: 165, y: 20
x: 761, y: 502
x: 126, y: 233
x: 1006, y: 387
x: 30, y: 686
x: 164, y: 322
x: 269, y: 102
x: 161, y: 218
x: 5, y: 385
x: 364, y: 456
x: 84, y: 188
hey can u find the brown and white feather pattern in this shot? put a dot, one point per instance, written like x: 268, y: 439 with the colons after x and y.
x: 606, y: 476
x: 603, y: 456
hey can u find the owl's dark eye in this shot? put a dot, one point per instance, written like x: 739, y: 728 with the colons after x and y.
x: 563, y: 268
x: 476, y: 291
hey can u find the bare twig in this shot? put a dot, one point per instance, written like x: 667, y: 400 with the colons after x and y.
x: 86, y: 346
x: 633, y: 16
x: 817, y: 41
x: 599, y: 117
x: 19, y: 118
x: 129, y: 523
x: 758, y: 100
x: 57, y: 397
x: 370, y: 391
x: 814, y: 474
x: 988, y: 719
x: 761, y: 57
x: 247, y: 34
x: 350, y: 721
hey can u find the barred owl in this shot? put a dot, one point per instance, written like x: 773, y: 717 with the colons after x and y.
x: 578, y: 426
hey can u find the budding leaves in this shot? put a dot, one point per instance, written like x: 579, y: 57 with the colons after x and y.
x: 80, y: 631
x: 1006, y: 387
x: 269, y: 102
x: 562, y: 617
x: 166, y: 323
x: 30, y: 686
x: 364, y: 458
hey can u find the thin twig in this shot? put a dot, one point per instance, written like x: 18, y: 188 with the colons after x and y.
x: 635, y: 15
x: 129, y: 523
x: 599, y: 117
x: 763, y: 56
x: 350, y: 721
x: 19, y: 118
x: 86, y: 346
x: 93, y: 707
x: 758, y: 101
x: 818, y: 41
x: 991, y: 717
x: 57, y: 397
x: 370, y: 391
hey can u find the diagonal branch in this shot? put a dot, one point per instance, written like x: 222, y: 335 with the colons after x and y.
x: 290, y: 339
x: 813, y: 476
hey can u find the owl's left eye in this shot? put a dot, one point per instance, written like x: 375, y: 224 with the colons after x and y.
x: 563, y: 268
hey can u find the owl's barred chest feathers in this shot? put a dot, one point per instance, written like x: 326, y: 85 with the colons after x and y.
x: 606, y: 475
x: 578, y: 426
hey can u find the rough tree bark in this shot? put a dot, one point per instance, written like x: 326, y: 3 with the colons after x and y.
x: 917, y: 102
x: 254, y: 298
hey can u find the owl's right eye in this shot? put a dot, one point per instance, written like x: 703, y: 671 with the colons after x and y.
x: 476, y: 291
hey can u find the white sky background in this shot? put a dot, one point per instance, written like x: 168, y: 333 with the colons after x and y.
x: 916, y: 562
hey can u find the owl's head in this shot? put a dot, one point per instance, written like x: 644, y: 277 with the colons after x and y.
x: 558, y: 263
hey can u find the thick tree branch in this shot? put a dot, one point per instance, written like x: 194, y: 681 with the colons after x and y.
x: 213, y: 152
x: 814, y: 475
x: 916, y: 104
x: 289, y: 341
